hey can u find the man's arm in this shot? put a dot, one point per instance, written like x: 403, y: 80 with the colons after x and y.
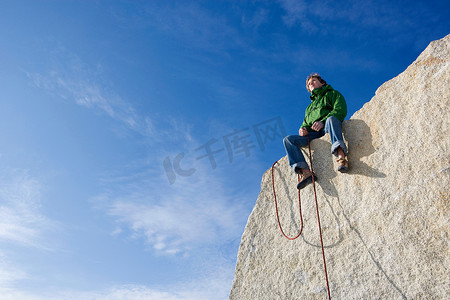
x: 339, y: 106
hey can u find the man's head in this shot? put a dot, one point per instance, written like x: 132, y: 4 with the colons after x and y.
x: 314, y: 81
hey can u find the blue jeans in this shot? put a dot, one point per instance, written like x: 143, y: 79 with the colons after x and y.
x: 292, y: 143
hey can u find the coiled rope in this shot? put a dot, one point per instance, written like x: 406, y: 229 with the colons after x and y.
x: 301, y: 218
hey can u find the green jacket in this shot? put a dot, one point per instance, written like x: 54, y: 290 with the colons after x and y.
x: 325, y: 102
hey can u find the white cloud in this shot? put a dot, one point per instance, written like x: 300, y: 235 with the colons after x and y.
x: 216, y: 287
x: 214, y: 283
x: 192, y: 213
x: 128, y: 292
x: 21, y: 219
x: 72, y: 79
x: 340, y: 18
x: 74, y: 84
x: 8, y: 272
x: 296, y: 12
x: 22, y: 224
x: 191, y: 24
x: 198, y: 218
x: 195, y: 211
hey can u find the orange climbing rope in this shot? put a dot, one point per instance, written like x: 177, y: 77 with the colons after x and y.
x: 301, y: 218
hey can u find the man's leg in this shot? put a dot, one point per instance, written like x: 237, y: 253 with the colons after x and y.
x: 334, y: 128
x: 292, y: 144
x: 338, y: 148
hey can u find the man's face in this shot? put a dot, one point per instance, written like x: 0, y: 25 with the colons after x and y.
x: 314, y: 83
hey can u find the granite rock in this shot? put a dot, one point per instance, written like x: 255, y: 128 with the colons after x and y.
x: 385, y: 224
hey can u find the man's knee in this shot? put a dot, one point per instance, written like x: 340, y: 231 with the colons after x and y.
x: 332, y: 120
x: 287, y: 140
x: 296, y: 140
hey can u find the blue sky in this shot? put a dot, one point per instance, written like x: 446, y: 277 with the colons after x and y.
x: 134, y: 134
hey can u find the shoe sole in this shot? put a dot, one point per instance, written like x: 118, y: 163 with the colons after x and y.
x: 305, y: 182
x: 343, y: 169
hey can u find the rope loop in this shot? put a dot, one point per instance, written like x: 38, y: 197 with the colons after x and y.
x: 300, y: 211
x: 276, y: 209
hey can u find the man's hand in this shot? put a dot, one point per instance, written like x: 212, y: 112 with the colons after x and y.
x: 303, y: 131
x: 317, y: 126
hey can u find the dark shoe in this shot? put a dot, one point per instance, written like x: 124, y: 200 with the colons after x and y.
x: 342, y: 165
x: 305, y: 181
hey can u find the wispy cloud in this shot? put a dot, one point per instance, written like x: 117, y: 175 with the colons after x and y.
x: 297, y: 13
x: 342, y: 18
x: 21, y: 219
x: 8, y: 272
x: 129, y: 292
x: 132, y: 292
x: 170, y: 220
x: 22, y: 224
x: 212, y: 281
x: 213, y: 285
x: 76, y: 86
x: 192, y: 25
x: 71, y: 79
x: 256, y: 18
x: 195, y: 212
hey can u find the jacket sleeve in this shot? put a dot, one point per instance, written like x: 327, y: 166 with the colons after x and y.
x: 339, y: 106
x: 306, y: 125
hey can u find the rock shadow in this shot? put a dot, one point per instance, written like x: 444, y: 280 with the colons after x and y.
x: 323, y: 165
x: 359, y: 142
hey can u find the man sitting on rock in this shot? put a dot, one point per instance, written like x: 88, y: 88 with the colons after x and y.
x: 325, y: 114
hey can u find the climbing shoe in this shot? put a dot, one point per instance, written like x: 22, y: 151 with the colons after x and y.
x: 342, y: 165
x: 305, y: 181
